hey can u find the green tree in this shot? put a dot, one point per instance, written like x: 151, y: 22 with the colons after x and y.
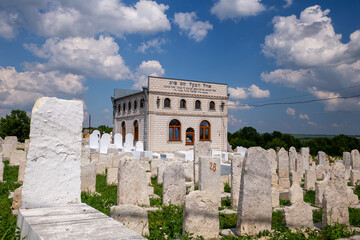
x: 16, y: 124
x: 103, y: 128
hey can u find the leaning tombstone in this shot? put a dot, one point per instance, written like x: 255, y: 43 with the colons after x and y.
x: 88, y: 177
x: 201, y: 215
x: 210, y: 176
x: 236, y: 169
x: 174, y: 188
x: 132, y: 185
x: 132, y: 216
x: 255, y: 207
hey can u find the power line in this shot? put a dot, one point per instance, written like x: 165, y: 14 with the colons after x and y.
x: 297, y: 102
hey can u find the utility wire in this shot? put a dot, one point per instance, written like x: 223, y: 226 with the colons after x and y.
x: 298, y: 102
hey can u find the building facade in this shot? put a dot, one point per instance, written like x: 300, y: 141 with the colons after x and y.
x: 170, y: 115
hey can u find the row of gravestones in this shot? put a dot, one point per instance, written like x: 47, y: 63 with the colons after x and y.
x: 102, y: 144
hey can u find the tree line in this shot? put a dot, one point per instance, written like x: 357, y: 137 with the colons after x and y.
x: 249, y: 137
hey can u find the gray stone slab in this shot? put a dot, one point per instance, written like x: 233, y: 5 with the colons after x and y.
x: 71, y: 222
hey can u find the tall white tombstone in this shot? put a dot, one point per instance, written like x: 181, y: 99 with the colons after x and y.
x: 355, y: 159
x: 174, y: 188
x: 97, y: 132
x: 118, y: 140
x: 210, y: 176
x: 104, y: 143
x: 255, y: 200
x: 321, y: 158
x: 139, y: 146
x: 305, y: 151
x: 201, y: 149
x: 347, y: 160
x: 283, y: 166
x: 129, y: 142
x: 52, y: 175
x: 271, y: 155
x: 94, y: 141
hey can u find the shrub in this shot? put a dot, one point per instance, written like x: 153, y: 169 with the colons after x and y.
x: 310, y: 197
x: 227, y: 220
x: 354, y: 217
x: 227, y: 188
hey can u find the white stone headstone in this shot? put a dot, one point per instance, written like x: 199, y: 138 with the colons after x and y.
x: 52, y: 175
x: 174, y: 188
x: 305, y: 151
x: 210, y: 176
x: 129, y: 142
x: 347, y: 160
x: 94, y: 140
x: 292, y: 159
x: 88, y: 177
x: 321, y: 158
x: 118, y: 140
x: 139, y: 146
x: 236, y: 169
x: 355, y: 159
x: 241, y: 150
x: 97, y: 132
x: 104, y: 143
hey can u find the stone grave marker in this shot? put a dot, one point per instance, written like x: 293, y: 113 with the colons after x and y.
x: 210, y: 176
x: 55, y: 150
x: 139, y: 146
x: 321, y: 158
x: 255, y: 206
x: 129, y: 142
x: 236, y: 169
x: 355, y: 159
x: 292, y: 159
x: 201, y: 149
x: 104, y: 143
x: 118, y: 140
x: 347, y: 160
x: 88, y: 177
x: 310, y: 179
x: 174, y: 188
x: 283, y: 166
x: 94, y: 140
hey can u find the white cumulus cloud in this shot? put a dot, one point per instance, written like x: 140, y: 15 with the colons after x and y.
x: 234, y: 121
x: 236, y: 105
x: 256, y: 92
x: 79, y: 18
x: 304, y: 116
x: 237, y: 93
x: 290, y: 111
x: 311, y: 55
x: 147, y: 68
x: 253, y: 91
x: 90, y: 57
x: 21, y: 89
x: 235, y: 9
x: 194, y: 29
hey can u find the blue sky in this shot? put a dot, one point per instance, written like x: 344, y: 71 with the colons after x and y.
x: 266, y: 51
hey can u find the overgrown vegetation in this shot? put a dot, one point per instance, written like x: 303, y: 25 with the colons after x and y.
x: 285, y: 202
x: 354, y: 217
x: 7, y: 219
x: 227, y: 187
x: 158, y: 189
x: 227, y: 221
x: 357, y: 188
x: 335, y: 146
x: 317, y: 216
x: 16, y: 124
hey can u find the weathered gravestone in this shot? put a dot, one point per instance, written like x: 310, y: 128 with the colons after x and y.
x: 85, y: 155
x: 255, y: 207
x: 210, y: 176
x: 275, y: 201
x: 129, y: 142
x: 321, y: 158
x: 201, y: 149
x: 354, y: 177
x: 347, y: 160
x: 236, y: 169
x: 132, y: 186
x: 52, y: 175
x: 139, y: 146
x: 355, y: 159
x: 283, y: 166
x: 201, y: 215
x: 319, y: 190
x: 154, y: 165
x: 310, y: 179
x: 174, y: 188
x: 88, y: 177
x: 160, y: 172
x: 320, y: 171
x: 335, y: 203
x: 292, y: 159
x: 271, y: 155
x: 17, y: 157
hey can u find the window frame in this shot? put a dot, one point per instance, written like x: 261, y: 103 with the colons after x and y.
x: 135, y: 105
x: 203, y: 131
x: 197, y: 102
x: 174, y: 127
x: 193, y: 136
x: 167, y: 103
x: 136, y: 130
x: 123, y: 130
x: 182, y: 104
x: 212, y: 106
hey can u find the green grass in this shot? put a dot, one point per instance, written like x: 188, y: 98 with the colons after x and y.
x: 226, y: 202
x: 285, y: 202
x: 158, y: 190
x: 357, y: 188
x: 227, y: 221
x: 310, y: 197
x: 7, y: 220
x: 277, y: 221
x: 354, y: 217
x: 317, y: 216
x: 106, y: 198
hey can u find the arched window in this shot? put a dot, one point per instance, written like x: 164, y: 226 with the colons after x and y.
x: 189, y: 136
x: 135, y: 104
x: 136, y: 131
x: 123, y: 130
x: 222, y: 106
x: 212, y: 105
x: 129, y: 106
x: 197, y: 104
x: 142, y: 102
x: 167, y: 102
x: 119, y: 107
x: 124, y: 107
x: 182, y: 103
x: 204, y: 131
x: 174, y: 130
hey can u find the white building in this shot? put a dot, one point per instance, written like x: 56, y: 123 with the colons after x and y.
x: 171, y: 114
